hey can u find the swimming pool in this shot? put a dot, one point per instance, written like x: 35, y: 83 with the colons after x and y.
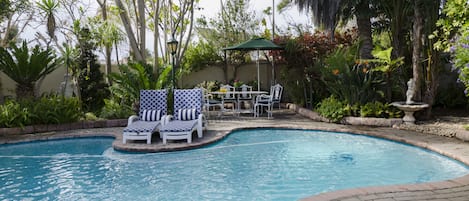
x: 260, y: 164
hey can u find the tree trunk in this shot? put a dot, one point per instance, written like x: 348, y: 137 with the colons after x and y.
x: 156, y: 37
x: 107, y: 46
x: 1, y: 93
x: 364, y: 29
x: 25, y: 91
x: 416, y: 50
x: 431, y: 83
x: 130, y: 34
x: 142, y: 26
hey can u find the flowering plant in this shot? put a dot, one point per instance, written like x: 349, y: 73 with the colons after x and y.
x: 237, y: 83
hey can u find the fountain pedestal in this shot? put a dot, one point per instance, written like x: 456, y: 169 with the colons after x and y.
x: 409, y: 110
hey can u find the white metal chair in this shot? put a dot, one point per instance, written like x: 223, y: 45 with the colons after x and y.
x: 229, y: 96
x: 211, y: 102
x: 276, y: 91
x: 245, y: 95
x: 268, y: 101
x: 152, y: 113
x: 261, y: 102
x: 187, y: 116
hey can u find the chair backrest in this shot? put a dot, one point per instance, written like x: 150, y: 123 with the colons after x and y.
x: 245, y: 92
x: 229, y: 91
x: 188, y: 99
x: 276, y: 92
x: 153, y: 100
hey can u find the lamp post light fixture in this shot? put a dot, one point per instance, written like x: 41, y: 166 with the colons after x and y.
x: 172, y: 46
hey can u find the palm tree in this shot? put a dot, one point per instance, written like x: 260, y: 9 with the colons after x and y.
x: 25, y: 68
x: 49, y: 7
x: 327, y: 13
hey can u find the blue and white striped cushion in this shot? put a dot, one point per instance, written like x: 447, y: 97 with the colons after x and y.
x: 186, y: 114
x: 151, y: 115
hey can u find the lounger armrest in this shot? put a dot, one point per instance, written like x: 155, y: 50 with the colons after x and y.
x: 165, y: 119
x: 200, y: 120
x: 132, y: 119
x: 200, y: 124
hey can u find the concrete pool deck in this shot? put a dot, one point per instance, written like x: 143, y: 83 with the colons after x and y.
x: 450, y: 190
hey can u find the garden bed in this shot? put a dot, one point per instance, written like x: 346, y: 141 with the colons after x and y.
x: 358, y: 121
x: 63, y: 127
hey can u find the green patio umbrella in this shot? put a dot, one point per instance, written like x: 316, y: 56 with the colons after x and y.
x: 256, y: 44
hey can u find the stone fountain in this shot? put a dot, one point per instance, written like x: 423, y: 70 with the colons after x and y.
x: 409, y: 106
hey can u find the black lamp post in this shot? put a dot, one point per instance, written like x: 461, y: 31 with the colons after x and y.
x: 172, y: 46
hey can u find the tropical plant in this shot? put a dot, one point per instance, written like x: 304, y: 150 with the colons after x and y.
x: 27, y: 67
x: 134, y: 77
x: 50, y: 8
x: 303, y: 58
x: 115, y: 110
x: 354, y: 83
x: 70, y: 57
x: 384, y: 63
x: 12, y: 114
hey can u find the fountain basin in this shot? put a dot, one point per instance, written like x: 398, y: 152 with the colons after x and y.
x: 409, y: 109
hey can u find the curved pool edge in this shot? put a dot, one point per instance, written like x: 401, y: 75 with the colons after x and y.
x: 454, y: 189
x: 453, y: 148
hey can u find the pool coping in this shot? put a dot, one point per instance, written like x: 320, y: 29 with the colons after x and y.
x: 450, y: 147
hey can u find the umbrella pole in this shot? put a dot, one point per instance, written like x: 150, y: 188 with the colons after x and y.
x: 258, y: 76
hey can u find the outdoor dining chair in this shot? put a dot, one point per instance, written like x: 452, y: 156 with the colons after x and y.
x: 245, y: 95
x: 211, y: 103
x: 229, y: 96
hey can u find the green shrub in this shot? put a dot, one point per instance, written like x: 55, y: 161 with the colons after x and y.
x: 12, y: 114
x: 333, y: 109
x: 373, y: 109
x: 89, y: 116
x: 378, y: 109
x: 114, y: 110
x: 54, y: 109
x: 49, y: 109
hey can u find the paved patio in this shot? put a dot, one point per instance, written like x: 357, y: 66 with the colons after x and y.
x: 451, y: 190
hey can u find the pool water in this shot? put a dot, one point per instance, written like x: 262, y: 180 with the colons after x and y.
x: 260, y: 164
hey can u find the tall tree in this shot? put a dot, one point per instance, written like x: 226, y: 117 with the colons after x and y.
x: 126, y: 22
x: 16, y: 16
x: 49, y: 7
x: 107, y: 44
x: 327, y: 13
x: 93, y: 89
x: 234, y: 24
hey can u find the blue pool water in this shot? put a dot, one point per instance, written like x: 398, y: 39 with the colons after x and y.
x: 262, y: 164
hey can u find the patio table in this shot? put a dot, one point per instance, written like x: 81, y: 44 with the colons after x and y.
x: 238, y: 94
